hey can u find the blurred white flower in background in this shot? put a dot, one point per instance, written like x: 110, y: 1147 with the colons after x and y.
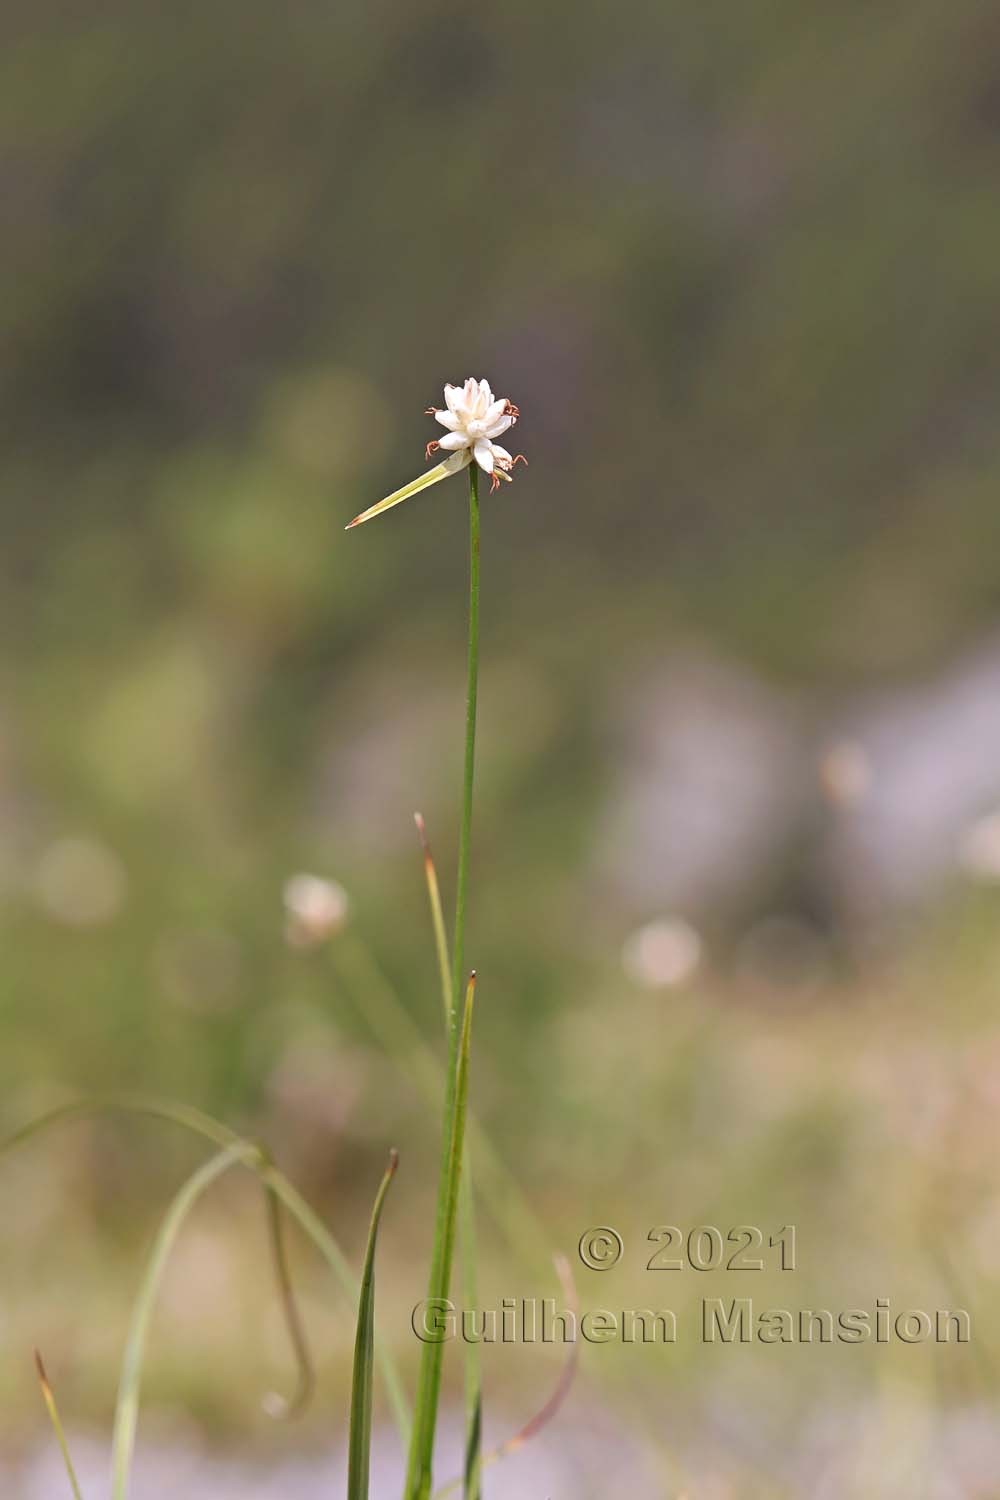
x: 845, y: 773
x: 315, y: 910
x: 662, y: 954
x: 979, y: 848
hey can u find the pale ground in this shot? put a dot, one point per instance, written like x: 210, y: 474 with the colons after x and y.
x: 904, y: 1454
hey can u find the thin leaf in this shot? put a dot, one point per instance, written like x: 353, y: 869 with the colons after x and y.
x: 50, y: 1406
x: 437, y: 918
x: 378, y: 1006
x: 471, y: 1359
x: 334, y: 1256
x: 359, y: 1449
x: 306, y: 1383
x: 554, y: 1402
x: 127, y: 1409
x: 418, y: 1479
x: 257, y: 1160
x: 452, y: 465
x: 473, y: 1383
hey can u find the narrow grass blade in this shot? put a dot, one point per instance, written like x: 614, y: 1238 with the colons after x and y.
x: 419, y: 1468
x: 467, y: 1204
x: 437, y: 919
x: 452, y: 464
x: 306, y: 1382
x: 473, y: 1383
x: 378, y: 1006
x: 359, y: 1450
x: 127, y: 1410
x: 551, y: 1406
x: 327, y: 1246
x: 57, y: 1427
x: 257, y: 1160
x: 80, y: 1109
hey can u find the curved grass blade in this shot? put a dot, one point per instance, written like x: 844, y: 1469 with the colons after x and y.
x: 452, y: 464
x: 79, y: 1109
x: 420, y: 1464
x: 257, y: 1160
x: 127, y: 1409
x: 327, y: 1246
x: 359, y: 1449
x: 57, y: 1427
x: 306, y: 1384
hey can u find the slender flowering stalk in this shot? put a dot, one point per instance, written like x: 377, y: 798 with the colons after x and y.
x: 473, y: 418
x: 420, y: 1468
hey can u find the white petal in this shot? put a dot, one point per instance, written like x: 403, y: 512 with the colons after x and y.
x: 483, y: 455
x: 470, y: 393
x: 499, y: 452
x: 448, y: 419
x: 453, y: 440
x: 493, y: 411
x: 494, y: 429
x: 453, y: 396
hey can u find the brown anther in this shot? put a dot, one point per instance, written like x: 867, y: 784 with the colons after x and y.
x: 519, y: 458
x: 431, y: 448
x: 510, y: 410
x: 431, y: 411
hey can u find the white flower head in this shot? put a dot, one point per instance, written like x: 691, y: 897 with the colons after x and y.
x: 315, y: 909
x: 474, y: 417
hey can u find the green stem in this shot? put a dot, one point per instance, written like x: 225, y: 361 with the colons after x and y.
x: 473, y: 1454
x: 472, y: 693
x: 467, y: 1211
x: 421, y: 1457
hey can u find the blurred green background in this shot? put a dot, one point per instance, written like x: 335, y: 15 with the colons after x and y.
x: 736, y: 830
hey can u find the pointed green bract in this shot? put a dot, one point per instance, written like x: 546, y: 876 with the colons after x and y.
x: 359, y: 1450
x: 452, y: 464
